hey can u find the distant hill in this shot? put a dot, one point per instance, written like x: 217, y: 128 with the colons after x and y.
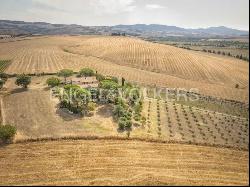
x: 173, y: 30
x: 21, y: 27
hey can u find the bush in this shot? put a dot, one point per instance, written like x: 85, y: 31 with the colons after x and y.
x: 91, y: 106
x: 53, y: 81
x: 137, y: 117
x: 7, y: 133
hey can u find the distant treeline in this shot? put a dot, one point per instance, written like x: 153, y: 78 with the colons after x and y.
x: 118, y: 34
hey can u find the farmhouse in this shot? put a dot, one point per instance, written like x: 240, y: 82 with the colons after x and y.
x: 85, y: 82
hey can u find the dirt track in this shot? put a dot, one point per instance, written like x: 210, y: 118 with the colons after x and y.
x: 115, y: 162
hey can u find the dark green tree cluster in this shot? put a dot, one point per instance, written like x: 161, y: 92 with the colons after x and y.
x: 75, y: 99
x: 123, y: 114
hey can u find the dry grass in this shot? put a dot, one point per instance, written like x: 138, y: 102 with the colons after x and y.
x: 136, y: 60
x: 115, y: 162
x: 35, y: 114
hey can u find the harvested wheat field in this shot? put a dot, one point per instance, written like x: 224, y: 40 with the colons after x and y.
x: 137, y: 60
x: 115, y: 162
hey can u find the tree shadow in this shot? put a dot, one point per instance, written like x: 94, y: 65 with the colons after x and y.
x: 18, y: 90
x: 46, y: 88
x: 104, y: 111
x: 66, y: 115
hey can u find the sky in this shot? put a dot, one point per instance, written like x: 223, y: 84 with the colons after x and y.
x: 182, y: 13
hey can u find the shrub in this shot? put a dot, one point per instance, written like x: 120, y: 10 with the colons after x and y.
x: 137, y: 117
x: 53, y: 81
x: 7, y: 133
x: 91, y: 106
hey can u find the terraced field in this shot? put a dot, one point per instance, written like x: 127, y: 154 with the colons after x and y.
x: 136, y: 60
x: 114, y: 162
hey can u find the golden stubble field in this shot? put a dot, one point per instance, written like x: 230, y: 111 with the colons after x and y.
x: 114, y: 162
x: 136, y: 60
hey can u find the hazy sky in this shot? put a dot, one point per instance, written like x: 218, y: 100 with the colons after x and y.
x: 183, y: 13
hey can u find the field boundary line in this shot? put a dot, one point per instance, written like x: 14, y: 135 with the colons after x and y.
x: 149, y: 140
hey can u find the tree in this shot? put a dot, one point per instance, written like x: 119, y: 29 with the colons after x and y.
x: 53, y: 81
x: 1, y: 83
x: 4, y: 76
x: 23, y: 80
x: 100, y: 77
x: 109, y: 90
x: 119, y: 111
x: 122, y: 123
x: 7, y: 133
x: 143, y: 121
x: 109, y: 84
x: 123, y: 81
x: 86, y: 72
x: 65, y: 73
x: 3, y: 79
x: 114, y: 79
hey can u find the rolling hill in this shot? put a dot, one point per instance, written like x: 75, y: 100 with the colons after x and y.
x: 136, y: 60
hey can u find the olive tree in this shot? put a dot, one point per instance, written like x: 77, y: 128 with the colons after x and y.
x: 23, y: 80
x: 65, y: 73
